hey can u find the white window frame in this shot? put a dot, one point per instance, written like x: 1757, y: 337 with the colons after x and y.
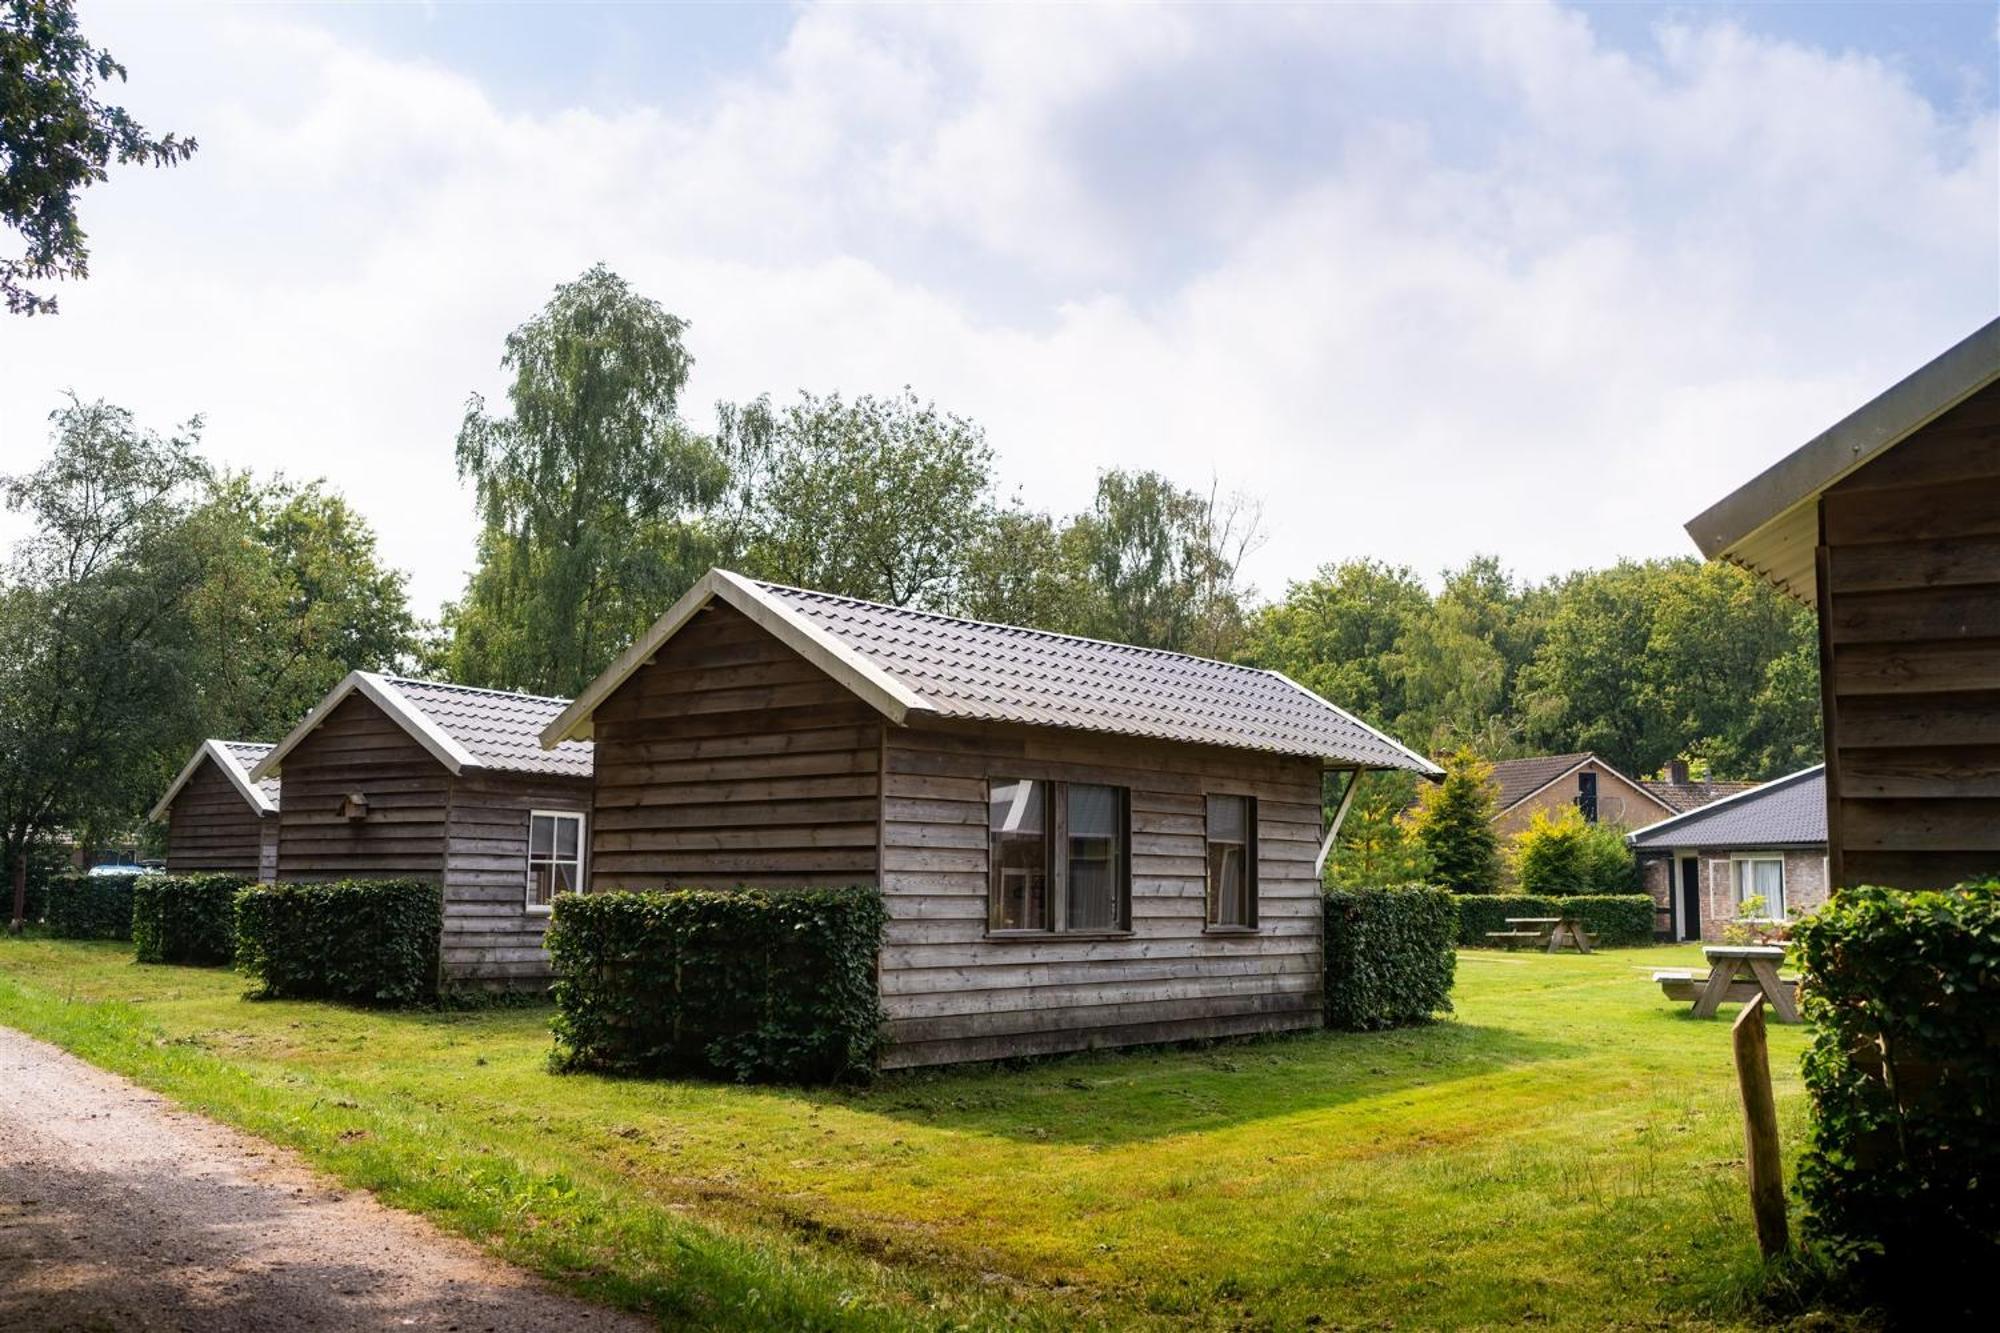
x: 1777, y: 909
x: 582, y: 857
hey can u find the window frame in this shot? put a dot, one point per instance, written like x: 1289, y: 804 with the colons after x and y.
x: 1055, y: 850
x: 1778, y: 909
x: 582, y: 857
x: 1252, y: 886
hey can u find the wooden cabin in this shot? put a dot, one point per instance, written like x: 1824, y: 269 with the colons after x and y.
x: 1080, y: 843
x: 393, y: 778
x: 218, y: 817
x: 1889, y: 524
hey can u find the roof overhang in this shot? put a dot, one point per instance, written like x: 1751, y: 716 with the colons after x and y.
x: 1770, y: 525
x: 1652, y: 831
x: 1418, y: 764
x: 385, y: 696
x: 245, y: 785
x: 887, y: 695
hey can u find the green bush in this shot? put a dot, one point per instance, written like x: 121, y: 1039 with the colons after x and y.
x: 765, y: 984
x: 367, y: 941
x: 1561, y: 854
x: 1389, y: 956
x: 83, y: 906
x: 1614, y: 919
x: 185, y: 918
x: 1902, y: 1175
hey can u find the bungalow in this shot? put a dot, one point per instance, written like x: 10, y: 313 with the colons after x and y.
x: 391, y: 778
x: 1080, y: 843
x: 219, y: 818
x: 1768, y: 841
x: 1601, y: 792
x: 1889, y: 524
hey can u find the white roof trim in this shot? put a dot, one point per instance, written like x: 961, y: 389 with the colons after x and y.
x: 1424, y: 766
x: 888, y: 695
x: 225, y: 759
x: 384, y: 695
x: 1760, y: 789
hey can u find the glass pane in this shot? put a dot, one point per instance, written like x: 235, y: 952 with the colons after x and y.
x: 539, y: 883
x: 1771, y: 882
x: 564, y: 878
x: 1227, y: 819
x: 1093, y: 811
x: 1228, y: 896
x: 1096, y: 872
x: 1017, y: 806
x: 566, y: 838
x: 1017, y: 814
x: 541, y: 835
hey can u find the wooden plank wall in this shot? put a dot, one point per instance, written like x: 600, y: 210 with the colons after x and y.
x: 954, y: 994
x: 490, y: 936
x: 1909, y: 591
x: 211, y: 827
x: 358, y: 748
x: 730, y: 759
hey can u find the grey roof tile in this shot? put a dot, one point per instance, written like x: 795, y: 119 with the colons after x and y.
x: 502, y: 730
x: 247, y: 754
x: 1786, y: 812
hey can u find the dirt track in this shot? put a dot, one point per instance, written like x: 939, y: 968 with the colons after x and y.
x: 119, y: 1212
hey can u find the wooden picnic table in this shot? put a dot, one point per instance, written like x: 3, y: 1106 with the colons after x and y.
x: 1552, y: 932
x: 1737, y: 974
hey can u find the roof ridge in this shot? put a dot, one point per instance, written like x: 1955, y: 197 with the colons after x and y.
x: 474, y: 689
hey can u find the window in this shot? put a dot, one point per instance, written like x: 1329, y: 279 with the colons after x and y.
x: 1232, y: 862
x: 555, y: 857
x: 1059, y: 856
x: 1586, y: 796
x: 1764, y: 877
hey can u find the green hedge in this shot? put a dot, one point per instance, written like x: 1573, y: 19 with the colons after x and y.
x: 767, y: 984
x: 1615, y: 919
x: 1389, y: 956
x: 1902, y: 1176
x: 185, y: 918
x: 83, y: 906
x: 367, y: 941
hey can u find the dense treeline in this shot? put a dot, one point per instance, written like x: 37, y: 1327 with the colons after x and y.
x: 157, y: 601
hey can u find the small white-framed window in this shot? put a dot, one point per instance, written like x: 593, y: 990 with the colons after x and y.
x: 1761, y: 875
x: 555, y: 856
x: 1232, y: 862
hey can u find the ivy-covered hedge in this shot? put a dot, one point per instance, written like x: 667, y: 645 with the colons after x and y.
x: 1389, y: 956
x: 185, y: 918
x: 1616, y: 919
x: 764, y: 984
x: 1902, y: 1176
x: 82, y: 906
x: 367, y: 941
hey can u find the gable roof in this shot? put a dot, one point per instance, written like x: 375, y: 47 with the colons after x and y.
x: 234, y: 759
x: 905, y: 662
x: 1785, y: 812
x: 1518, y: 779
x: 462, y: 727
x: 1770, y: 524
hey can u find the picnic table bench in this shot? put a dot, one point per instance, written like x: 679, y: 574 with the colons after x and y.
x: 1551, y: 932
x: 1737, y: 974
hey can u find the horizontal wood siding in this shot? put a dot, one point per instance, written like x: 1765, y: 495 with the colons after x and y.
x: 490, y: 936
x: 953, y: 993
x: 211, y: 827
x: 730, y: 759
x: 1909, y: 593
x: 358, y: 749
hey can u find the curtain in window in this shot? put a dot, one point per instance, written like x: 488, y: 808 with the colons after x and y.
x: 1096, y: 853
x: 1228, y: 861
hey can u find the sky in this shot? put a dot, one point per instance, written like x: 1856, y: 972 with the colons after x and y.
x: 1537, y: 280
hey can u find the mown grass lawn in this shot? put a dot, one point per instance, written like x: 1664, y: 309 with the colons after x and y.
x: 1565, y: 1151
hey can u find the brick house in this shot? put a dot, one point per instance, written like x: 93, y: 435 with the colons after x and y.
x: 1769, y: 840
x: 1601, y: 792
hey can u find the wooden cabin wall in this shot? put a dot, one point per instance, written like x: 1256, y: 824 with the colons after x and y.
x: 490, y: 936
x: 358, y: 748
x: 730, y: 759
x: 210, y: 827
x: 953, y: 994
x: 1909, y: 602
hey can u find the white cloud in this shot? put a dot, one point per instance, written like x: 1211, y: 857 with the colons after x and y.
x: 1429, y: 281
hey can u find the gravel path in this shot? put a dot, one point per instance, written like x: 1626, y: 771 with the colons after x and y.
x: 118, y: 1211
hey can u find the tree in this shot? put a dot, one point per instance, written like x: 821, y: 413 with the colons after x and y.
x: 56, y: 139
x: 1560, y: 853
x: 1337, y: 631
x: 1454, y: 822
x: 879, y: 498
x: 1165, y: 561
x: 1378, y: 845
x: 591, y: 492
x: 1022, y: 569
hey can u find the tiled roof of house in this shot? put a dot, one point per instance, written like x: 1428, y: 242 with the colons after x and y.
x: 499, y: 729
x: 235, y: 760
x: 247, y: 754
x: 1004, y: 673
x: 1786, y: 812
x: 1681, y: 797
x: 1521, y: 778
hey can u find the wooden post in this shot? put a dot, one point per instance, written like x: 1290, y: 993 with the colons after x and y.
x: 1760, y: 1129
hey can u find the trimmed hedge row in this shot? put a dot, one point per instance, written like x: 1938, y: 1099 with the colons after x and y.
x: 82, y: 906
x: 1616, y: 919
x: 1902, y: 1176
x: 367, y: 941
x: 1389, y: 956
x: 765, y: 984
x: 186, y: 918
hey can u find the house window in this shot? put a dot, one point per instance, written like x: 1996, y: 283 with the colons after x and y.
x: 1586, y: 796
x: 1232, y: 861
x: 1763, y: 877
x: 1059, y: 856
x: 555, y: 856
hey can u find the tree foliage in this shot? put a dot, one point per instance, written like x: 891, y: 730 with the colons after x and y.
x: 1378, y: 843
x: 1454, y: 823
x: 1561, y: 853
x: 57, y: 138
